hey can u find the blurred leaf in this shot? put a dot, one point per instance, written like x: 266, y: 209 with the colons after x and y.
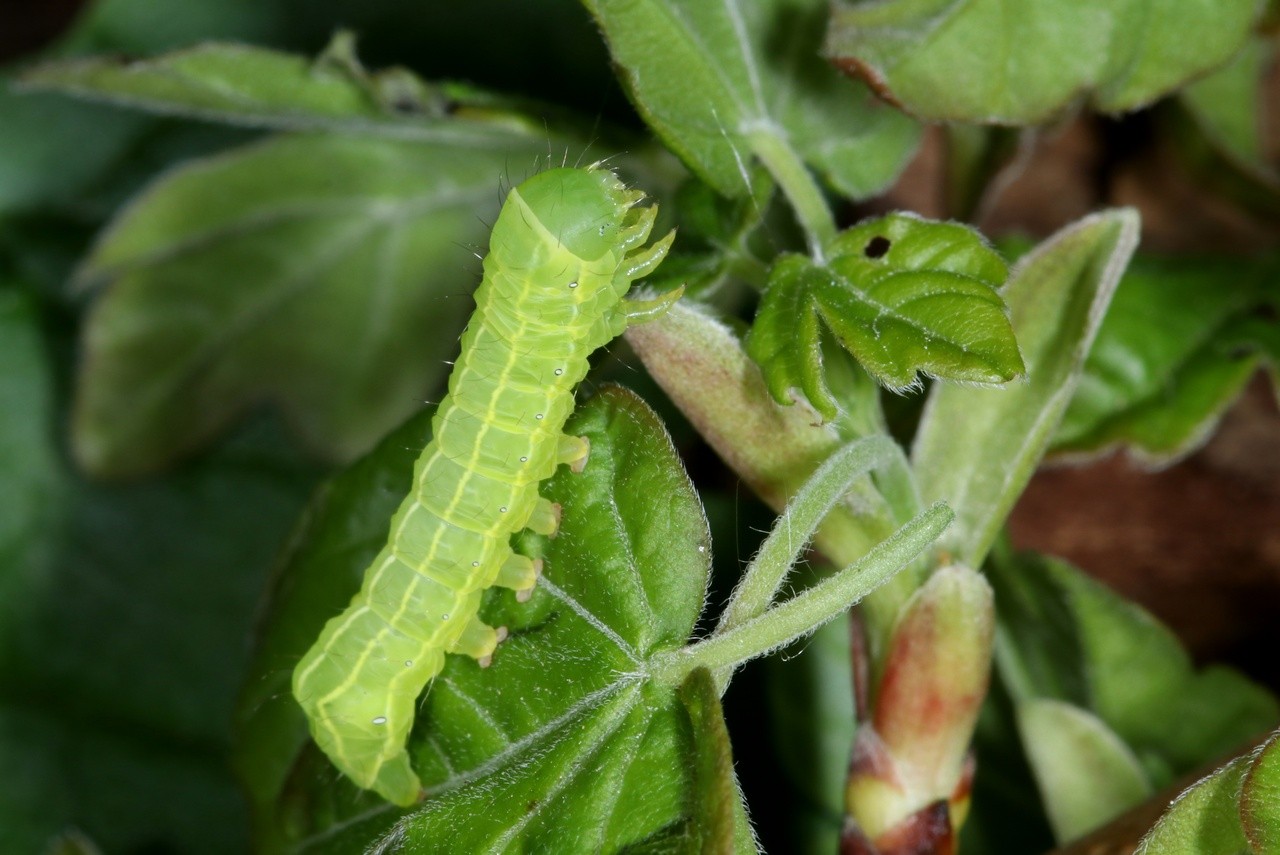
x: 812, y: 719
x: 53, y: 149
x: 713, y: 240
x: 148, y: 26
x: 979, y: 158
x: 1067, y: 637
x: 1226, y: 146
x: 1169, y: 358
x: 258, y: 87
x: 232, y: 280
x: 976, y: 448
x: 122, y: 614
x: 1006, y: 814
x: 1086, y: 774
x: 1119, y: 54
x: 567, y: 688
x: 1228, y: 105
x: 71, y: 843
x: 1204, y: 820
x: 719, y: 81
x: 903, y: 295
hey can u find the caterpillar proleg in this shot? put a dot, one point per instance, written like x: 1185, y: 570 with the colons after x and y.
x: 565, y: 249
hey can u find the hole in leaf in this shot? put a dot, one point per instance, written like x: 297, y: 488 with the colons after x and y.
x: 877, y: 247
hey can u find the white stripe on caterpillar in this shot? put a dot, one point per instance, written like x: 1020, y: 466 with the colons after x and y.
x: 565, y: 249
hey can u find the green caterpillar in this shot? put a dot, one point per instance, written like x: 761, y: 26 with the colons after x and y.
x: 565, y: 249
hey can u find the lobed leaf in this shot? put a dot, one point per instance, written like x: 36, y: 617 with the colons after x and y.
x: 973, y: 60
x: 714, y: 79
x: 231, y: 280
x: 905, y: 296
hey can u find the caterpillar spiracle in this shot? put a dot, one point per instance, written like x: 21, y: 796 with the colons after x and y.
x: 565, y: 249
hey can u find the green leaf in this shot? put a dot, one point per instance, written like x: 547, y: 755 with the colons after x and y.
x: 1117, y: 54
x: 1066, y: 637
x: 903, y: 295
x: 259, y: 87
x: 1204, y: 820
x: 716, y: 803
x: 1260, y: 798
x: 976, y: 448
x: 122, y: 617
x: 1168, y: 358
x: 721, y: 81
x: 232, y: 279
x: 1086, y: 774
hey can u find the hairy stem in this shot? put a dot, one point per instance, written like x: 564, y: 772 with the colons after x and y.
x: 808, y: 610
x: 794, y: 529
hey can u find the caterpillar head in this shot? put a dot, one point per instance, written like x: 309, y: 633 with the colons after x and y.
x: 587, y: 210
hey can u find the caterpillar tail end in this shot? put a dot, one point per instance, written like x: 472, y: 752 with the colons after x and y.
x: 397, y: 782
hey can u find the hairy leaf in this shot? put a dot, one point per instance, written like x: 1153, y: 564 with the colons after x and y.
x: 975, y: 60
x: 232, y: 280
x: 719, y: 81
x: 976, y: 448
x: 905, y: 296
x: 1203, y: 820
x: 1260, y: 798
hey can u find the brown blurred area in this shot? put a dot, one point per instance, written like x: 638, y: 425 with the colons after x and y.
x: 28, y: 25
x: 1198, y: 542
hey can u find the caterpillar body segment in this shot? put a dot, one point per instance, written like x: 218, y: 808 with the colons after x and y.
x: 563, y: 253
